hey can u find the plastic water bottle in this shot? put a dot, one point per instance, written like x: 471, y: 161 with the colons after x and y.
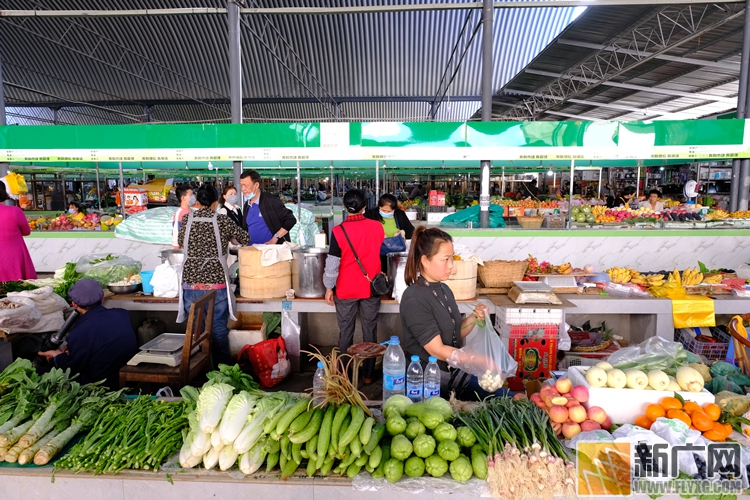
x: 394, y: 370
x: 432, y: 379
x: 319, y: 383
x: 415, y: 380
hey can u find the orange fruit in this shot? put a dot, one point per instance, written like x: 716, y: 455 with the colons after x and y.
x: 728, y: 428
x: 690, y: 407
x: 670, y: 403
x: 701, y: 421
x: 712, y: 435
x: 643, y: 421
x: 721, y: 429
x: 713, y: 411
x: 679, y: 415
x: 655, y: 411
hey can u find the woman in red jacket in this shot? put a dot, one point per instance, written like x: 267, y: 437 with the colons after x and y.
x: 343, y: 273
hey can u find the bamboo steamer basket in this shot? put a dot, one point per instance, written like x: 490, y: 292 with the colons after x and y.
x: 262, y: 282
x: 463, y: 280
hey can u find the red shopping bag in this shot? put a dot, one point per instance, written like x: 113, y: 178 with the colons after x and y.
x: 268, y: 360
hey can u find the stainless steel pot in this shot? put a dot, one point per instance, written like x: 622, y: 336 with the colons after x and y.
x: 307, y: 272
x: 175, y: 257
x: 395, y: 261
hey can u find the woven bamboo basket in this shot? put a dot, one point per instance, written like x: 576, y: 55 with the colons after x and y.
x: 463, y: 280
x: 533, y: 222
x: 262, y: 282
x: 501, y: 273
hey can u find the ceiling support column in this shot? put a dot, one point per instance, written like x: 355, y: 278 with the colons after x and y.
x: 235, y: 75
x: 488, y: 16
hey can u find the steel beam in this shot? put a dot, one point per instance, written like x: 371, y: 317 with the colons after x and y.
x: 729, y: 66
x: 668, y: 28
x: 488, y: 18
x: 639, y: 88
x: 611, y: 105
x: 235, y: 75
x: 575, y: 117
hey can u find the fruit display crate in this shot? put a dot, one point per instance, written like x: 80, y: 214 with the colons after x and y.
x: 712, y: 351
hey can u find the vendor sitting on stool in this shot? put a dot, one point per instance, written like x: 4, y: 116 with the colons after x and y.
x: 100, y: 342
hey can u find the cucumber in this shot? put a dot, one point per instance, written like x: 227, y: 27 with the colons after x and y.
x: 358, y: 418
x: 311, y: 447
x: 272, y: 446
x: 284, y: 447
x: 361, y: 461
x: 271, y: 425
x: 311, y: 468
x: 377, y: 434
x: 348, y: 461
x: 343, y: 429
x: 282, y: 461
x: 327, y: 465
x: 324, y: 438
x: 311, y: 430
x: 289, y: 469
x: 375, y: 457
x: 272, y: 461
x: 380, y: 469
x: 353, y: 470
x: 303, y: 454
x: 356, y: 448
x: 366, y: 431
x: 290, y: 415
x: 296, y: 452
x: 300, y: 422
x: 338, y: 421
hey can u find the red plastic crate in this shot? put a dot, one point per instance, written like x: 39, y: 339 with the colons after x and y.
x: 534, y: 347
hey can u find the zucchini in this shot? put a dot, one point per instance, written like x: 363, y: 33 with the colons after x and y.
x: 324, y: 438
x: 358, y: 418
x: 290, y: 415
x: 311, y: 430
x: 272, y: 461
x: 366, y: 431
x: 375, y: 437
x: 296, y: 452
x: 300, y: 422
x: 338, y: 421
x: 353, y: 470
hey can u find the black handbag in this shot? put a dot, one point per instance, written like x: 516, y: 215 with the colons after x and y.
x: 379, y: 285
x: 394, y: 244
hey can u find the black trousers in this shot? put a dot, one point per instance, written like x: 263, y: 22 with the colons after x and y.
x: 346, y: 316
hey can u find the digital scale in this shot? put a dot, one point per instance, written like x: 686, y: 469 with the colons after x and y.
x: 532, y: 292
x: 166, y: 349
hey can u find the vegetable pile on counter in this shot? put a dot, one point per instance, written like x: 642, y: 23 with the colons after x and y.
x: 40, y: 415
x: 525, y: 458
x: 423, y: 440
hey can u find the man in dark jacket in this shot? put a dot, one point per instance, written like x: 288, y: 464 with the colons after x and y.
x: 100, y: 342
x: 265, y: 217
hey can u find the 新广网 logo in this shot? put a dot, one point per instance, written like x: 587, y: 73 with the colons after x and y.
x: 603, y: 468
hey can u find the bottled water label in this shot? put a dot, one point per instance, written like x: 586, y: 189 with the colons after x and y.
x: 415, y: 393
x: 394, y: 382
x: 432, y: 392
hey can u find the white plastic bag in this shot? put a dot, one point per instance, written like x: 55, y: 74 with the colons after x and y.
x: 107, y: 268
x: 47, y: 323
x: 166, y: 281
x: 290, y: 332
x: 18, y: 313
x: 45, y: 299
x: 485, y: 356
x: 655, y: 346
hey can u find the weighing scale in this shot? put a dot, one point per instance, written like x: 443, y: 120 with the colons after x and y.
x: 532, y: 292
x: 166, y: 349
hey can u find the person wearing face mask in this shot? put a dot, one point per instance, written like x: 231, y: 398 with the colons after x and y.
x: 228, y: 205
x: 264, y: 216
x: 75, y: 212
x: 431, y: 323
x: 187, y: 199
x: 393, y: 220
x: 347, y: 287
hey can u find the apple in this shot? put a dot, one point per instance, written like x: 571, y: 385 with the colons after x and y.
x: 563, y: 385
x: 607, y: 424
x: 577, y: 413
x: 571, y: 430
x: 597, y: 414
x: 558, y: 414
x: 590, y: 425
x: 580, y: 393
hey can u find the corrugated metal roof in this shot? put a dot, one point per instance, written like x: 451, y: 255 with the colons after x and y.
x: 131, y: 60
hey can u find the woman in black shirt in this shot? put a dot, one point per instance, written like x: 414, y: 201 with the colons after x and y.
x: 430, y: 320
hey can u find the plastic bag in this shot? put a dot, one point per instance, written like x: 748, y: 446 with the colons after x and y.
x: 290, y: 332
x: 722, y: 383
x: 563, y: 338
x: 303, y: 232
x: 165, y: 281
x: 268, y: 359
x: 18, y: 313
x: 107, y: 268
x: 149, y: 226
x: 46, y: 300
x: 471, y: 214
x: 655, y: 353
x: 485, y: 356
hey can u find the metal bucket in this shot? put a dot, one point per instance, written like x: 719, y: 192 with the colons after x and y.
x: 307, y: 272
x: 396, y: 260
x: 175, y: 257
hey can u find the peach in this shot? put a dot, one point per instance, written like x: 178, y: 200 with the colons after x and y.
x: 548, y: 390
x: 607, y: 424
x: 541, y: 405
x: 597, y: 414
x: 590, y: 425
x: 519, y: 396
x: 571, y: 402
x: 566, y: 395
x: 558, y: 414
x: 536, y: 398
x: 577, y: 413
x: 580, y: 393
x: 559, y: 401
x: 563, y: 385
x: 571, y: 430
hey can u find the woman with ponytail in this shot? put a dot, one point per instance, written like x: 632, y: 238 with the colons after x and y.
x: 431, y: 322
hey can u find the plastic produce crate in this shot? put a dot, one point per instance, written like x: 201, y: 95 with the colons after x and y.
x: 712, y: 351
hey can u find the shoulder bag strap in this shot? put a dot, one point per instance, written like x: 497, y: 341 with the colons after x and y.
x: 356, y: 257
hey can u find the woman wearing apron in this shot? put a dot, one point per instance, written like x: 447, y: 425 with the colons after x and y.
x: 204, y: 235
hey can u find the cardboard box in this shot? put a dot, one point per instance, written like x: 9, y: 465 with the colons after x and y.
x: 240, y: 338
x: 534, y: 347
